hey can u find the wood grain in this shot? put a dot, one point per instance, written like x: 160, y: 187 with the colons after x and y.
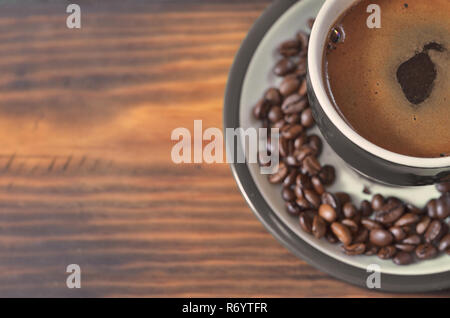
x: 85, y: 169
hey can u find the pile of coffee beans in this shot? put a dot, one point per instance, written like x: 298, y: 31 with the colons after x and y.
x: 387, y: 227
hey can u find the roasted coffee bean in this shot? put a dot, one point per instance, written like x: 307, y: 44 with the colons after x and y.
x: 422, y: 226
x: 311, y: 165
x: 371, y: 250
x: 381, y: 237
x: 283, y: 146
x: 432, y: 208
x: 319, y: 227
x: 305, y: 222
x: 292, y: 119
x: 413, y: 209
x: 300, y: 141
x: 288, y: 194
x: 343, y: 197
x: 387, y: 252
x: 327, y: 175
x: 303, y: 203
x: 307, y: 119
x: 398, y: 233
x: 328, y: 213
x: 311, y: 22
x: 284, y: 67
x: 407, y: 219
x: 331, y: 238
x: 426, y: 251
x: 273, y: 97
x: 290, y: 179
x: 390, y: 212
x: 290, y: 48
x: 260, y: 110
x: 403, y: 258
x: 317, y: 184
x: 303, y: 38
x: 275, y: 114
x: 443, y: 206
x: 291, y: 148
x: 444, y: 244
x: 302, y: 91
x: 342, y: 233
x: 366, y: 208
x: 377, y: 202
x: 290, y: 85
x: 351, y: 224
x: 393, y: 201
x: 292, y: 161
x: 294, y: 104
x: 298, y: 190
x: 330, y: 199
x: 409, y: 229
x: 355, y: 249
x: 436, y: 230
x: 371, y: 224
x: 304, y: 152
x: 446, y: 198
x: 303, y: 53
x: 291, y: 131
x: 443, y: 187
x: 412, y: 240
x: 279, y: 124
x: 304, y: 181
x: 357, y: 218
x: 405, y: 247
x: 315, y: 142
x: 349, y: 210
x: 301, y: 67
x: 292, y: 208
x: 281, y: 173
x: 362, y: 235
x: 312, y: 197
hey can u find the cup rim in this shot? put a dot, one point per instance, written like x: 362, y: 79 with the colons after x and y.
x: 328, y: 14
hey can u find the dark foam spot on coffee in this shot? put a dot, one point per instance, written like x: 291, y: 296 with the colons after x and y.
x: 416, y: 76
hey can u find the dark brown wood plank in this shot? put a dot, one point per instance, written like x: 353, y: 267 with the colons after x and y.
x: 85, y: 170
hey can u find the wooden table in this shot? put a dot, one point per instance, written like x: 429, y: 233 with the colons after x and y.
x: 86, y: 177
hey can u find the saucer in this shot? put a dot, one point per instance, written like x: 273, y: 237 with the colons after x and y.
x: 250, y: 76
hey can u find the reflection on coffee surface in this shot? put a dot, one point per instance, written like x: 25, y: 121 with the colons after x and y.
x: 391, y: 83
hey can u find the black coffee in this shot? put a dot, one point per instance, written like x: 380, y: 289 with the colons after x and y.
x: 391, y: 84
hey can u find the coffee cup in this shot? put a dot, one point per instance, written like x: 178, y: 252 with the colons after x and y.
x: 367, y: 158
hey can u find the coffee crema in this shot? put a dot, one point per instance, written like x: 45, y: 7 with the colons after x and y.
x: 391, y: 84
